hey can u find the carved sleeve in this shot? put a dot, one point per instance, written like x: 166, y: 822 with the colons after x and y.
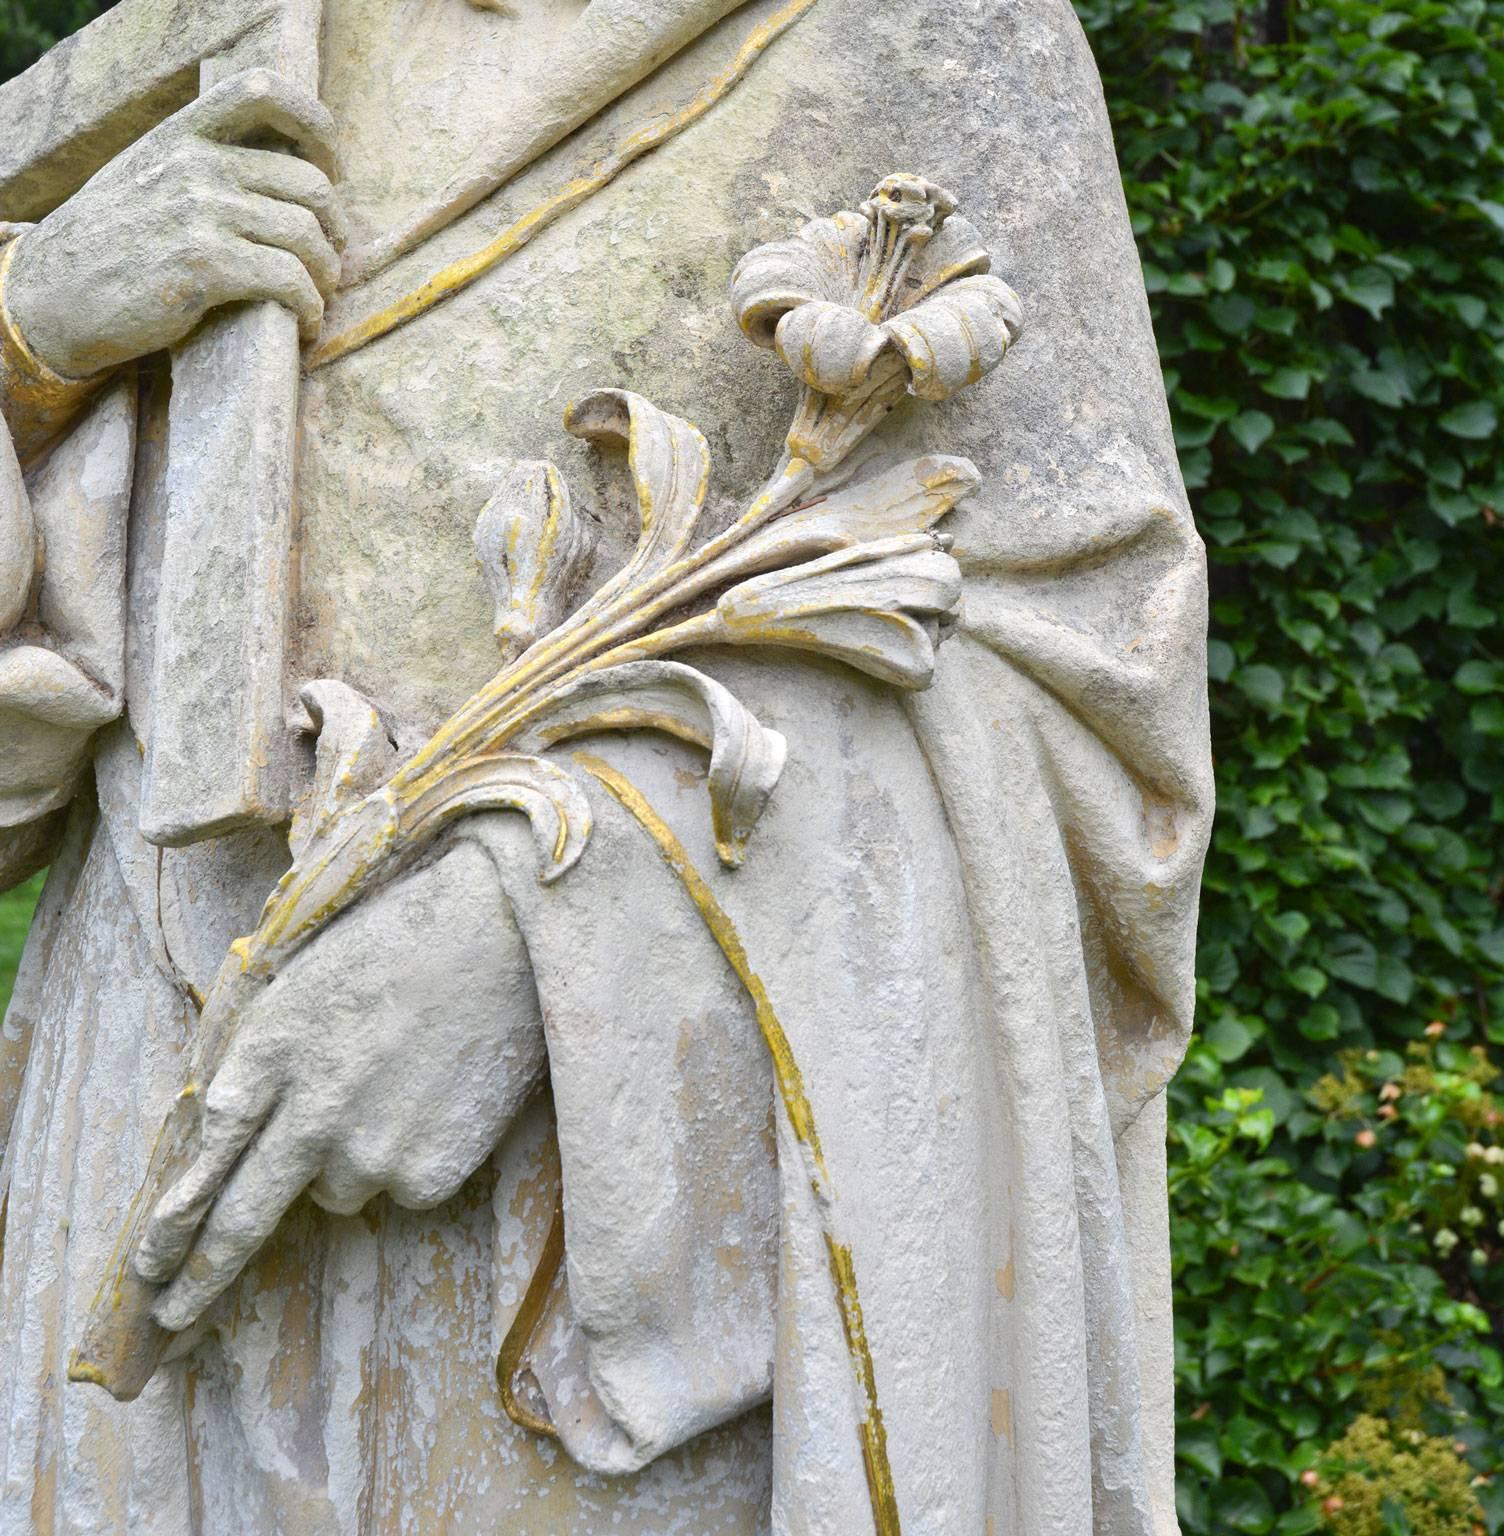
x: 62, y: 572
x: 37, y: 403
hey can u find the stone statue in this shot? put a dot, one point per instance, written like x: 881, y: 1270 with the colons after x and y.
x: 601, y: 634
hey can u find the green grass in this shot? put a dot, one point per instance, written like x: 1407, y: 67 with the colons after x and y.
x: 15, y: 918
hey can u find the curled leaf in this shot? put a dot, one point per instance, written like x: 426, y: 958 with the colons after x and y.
x: 746, y: 759
x: 908, y: 498
x: 546, y: 794
x: 670, y: 464
x: 531, y: 543
x: 352, y: 756
x: 957, y: 336
x: 878, y: 607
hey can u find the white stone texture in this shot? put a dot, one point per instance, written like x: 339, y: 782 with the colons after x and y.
x: 973, y: 908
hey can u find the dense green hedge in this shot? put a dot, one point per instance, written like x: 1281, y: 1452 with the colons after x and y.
x: 29, y: 27
x: 1318, y: 192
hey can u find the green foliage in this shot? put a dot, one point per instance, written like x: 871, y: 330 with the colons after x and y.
x: 1381, y: 1481
x: 1298, y: 1306
x: 28, y: 28
x: 1318, y: 193
x: 15, y: 917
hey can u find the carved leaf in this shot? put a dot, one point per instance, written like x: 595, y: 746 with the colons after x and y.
x: 352, y: 757
x: 821, y: 262
x: 908, y: 498
x: 957, y: 336
x: 670, y: 464
x: 878, y: 607
x: 530, y: 542
x: 746, y: 758
x: 546, y: 794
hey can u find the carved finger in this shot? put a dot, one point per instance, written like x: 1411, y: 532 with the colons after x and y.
x: 258, y: 102
x: 288, y: 179
x: 341, y: 1189
x: 229, y: 1124
x: 271, y: 1175
x: 268, y: 272
x: 288, y: 227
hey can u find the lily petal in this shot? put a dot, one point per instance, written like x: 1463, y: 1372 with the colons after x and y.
x: 954, y: 252
x: 670, y: 464
x: 829, y: 346
x: 820, y: 263
x: 957, y: 336
x: 877, y: 607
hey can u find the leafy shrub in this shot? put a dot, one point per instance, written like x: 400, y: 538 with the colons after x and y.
x: 1318, y: 193
x: 28, y: 28
x: 1385, y: 1482
x: 1298, y: 1307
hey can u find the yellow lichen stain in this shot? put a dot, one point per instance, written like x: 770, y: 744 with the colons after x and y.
x: 884, y: 1500
x: 1006, y: 1279
x: 1002, y: 1414
x: 460, y: 274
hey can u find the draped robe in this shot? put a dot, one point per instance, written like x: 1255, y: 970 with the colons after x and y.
x: 972, y: 909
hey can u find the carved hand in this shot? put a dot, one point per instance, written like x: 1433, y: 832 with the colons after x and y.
x: 187, y: 219
x: 390, y: 1055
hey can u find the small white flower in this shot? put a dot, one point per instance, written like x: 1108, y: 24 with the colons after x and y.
x: 1479, y: 1256
x: 1445, y: 1241
x: 1494, y: 1155
x: 1476, y: 1149
x: 1488, y: 1186
x: 1470, y: 1216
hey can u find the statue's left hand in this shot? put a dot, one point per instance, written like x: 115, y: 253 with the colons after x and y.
x: 389, y: 1056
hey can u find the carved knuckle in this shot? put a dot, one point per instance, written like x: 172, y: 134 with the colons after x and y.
x: 425, y: 1183
x: 260, y: 84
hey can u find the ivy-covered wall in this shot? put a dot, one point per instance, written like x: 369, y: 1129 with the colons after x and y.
x: 1318, y: 192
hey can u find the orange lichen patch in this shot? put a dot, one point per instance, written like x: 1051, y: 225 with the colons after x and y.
x: 1002, y: 1414
x: 1006, y: 1280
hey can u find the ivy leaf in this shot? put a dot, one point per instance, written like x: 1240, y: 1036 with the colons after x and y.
x: 1371, y: 288
x: 1476, y: 421
x: 1263, y: 684
x: 1244, y: 1506
x: 1382, y: 386
x: 1288, y: 384
x: 1252, y: 429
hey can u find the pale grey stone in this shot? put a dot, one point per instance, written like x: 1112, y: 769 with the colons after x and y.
x: 951, y: 842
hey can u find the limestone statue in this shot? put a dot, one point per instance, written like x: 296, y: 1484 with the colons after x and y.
x: 601, y: 637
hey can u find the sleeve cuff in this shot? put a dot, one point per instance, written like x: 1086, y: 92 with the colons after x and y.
x: 36, y: 402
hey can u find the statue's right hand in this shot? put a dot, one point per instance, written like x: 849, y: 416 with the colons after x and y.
x: 193, y: 215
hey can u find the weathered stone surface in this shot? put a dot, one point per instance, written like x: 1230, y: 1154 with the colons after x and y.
x: 959, y: 918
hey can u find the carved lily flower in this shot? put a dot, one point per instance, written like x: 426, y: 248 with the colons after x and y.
x: 864, y: 307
